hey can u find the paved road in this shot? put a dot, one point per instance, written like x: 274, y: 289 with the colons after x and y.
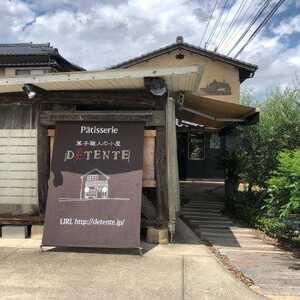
x: 275, y: 271
x: 174, y: 271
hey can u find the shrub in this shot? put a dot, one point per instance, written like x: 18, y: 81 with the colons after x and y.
x: 267, y: 157
x: 284, y: 186
x: 275, y: 228
x: 246, y: 206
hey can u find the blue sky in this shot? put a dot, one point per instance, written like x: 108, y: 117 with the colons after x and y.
x: 98, y: 33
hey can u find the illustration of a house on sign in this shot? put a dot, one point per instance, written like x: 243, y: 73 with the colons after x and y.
x: 94, y: 185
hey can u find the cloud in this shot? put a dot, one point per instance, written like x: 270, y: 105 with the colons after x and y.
x: 106, y: 33
x: 288, y: 27
x: 278, y: 64
x: 14, y: 15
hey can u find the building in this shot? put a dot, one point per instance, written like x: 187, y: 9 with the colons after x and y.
x: 94, y: 185
x: 201, y: 148
x: 26, y: 59
x: 179, y: 82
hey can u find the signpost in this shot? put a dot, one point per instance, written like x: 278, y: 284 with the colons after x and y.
x: 95, y: 188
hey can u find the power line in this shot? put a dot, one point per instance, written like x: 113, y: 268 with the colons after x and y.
x: 232, y: 23
x: 208, y: 22
x: 223, y: 22
x: 256, y: 17
x: 260, y: 27
x: 217, y: 22
x: 234, y: 31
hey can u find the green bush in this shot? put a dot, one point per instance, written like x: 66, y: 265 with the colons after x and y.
x: 284, y: 186
x: 246, y: 206
x: 267, y: 157
x: 277, y: 130
x: 274, y: 227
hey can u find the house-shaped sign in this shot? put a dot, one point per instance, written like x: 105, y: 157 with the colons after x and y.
x: 94, y: 185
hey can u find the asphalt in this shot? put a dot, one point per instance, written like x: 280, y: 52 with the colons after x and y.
x: 182, y: 270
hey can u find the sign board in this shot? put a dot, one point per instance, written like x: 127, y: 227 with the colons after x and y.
x: 95, y: 187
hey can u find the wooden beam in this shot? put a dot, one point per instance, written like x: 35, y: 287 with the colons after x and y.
x: 21, y: 220
x: 43, y: 167
x: 161, y: 176
x: 151, y: 118
x: 121, y: 98
x: 172, y: 164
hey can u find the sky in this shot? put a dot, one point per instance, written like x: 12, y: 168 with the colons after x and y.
x: 96, y: 34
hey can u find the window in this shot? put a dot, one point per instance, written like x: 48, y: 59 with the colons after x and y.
x: 38, y: 72
x: 22, y: 72
x: 196, y: 146
x: 214, y: 141
x: 26, y: 72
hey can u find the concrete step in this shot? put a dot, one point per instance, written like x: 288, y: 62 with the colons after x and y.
x: 205, y: 202
x: 204, y: 205
x: 233, y: 238
x: 203, y: 209
x: 241, y: 229
x: 233, y: 230
x: 226, y: 250
x: 202, y: 212
x: 227, y: 235
x: 249, y: 248
x: 210, y: 222
x: 202, y: 215
x: 211, y: 226
x: 206, y: 218
x: 239, y: 243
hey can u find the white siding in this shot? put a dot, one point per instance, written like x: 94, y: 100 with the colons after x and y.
x: 18, y: 166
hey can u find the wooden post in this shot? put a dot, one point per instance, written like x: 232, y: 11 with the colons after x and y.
x: 172, y: 165
x: 161, y: 175
x: 43, y: 164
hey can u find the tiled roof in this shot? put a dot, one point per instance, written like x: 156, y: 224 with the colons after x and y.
x: 246, y: 70
x: 34, y: 54
x: 27, y: 49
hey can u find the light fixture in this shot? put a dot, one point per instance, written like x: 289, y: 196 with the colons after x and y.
x: 158, y: 87
x: 28, y: 89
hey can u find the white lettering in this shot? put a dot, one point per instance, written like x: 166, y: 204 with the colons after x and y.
x: 99, y: 130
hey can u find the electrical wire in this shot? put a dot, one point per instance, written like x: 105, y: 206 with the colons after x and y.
x: 231, y: 24
x: 217, y: 22
x: 234, y: 32
x: 256, y: 17
x: 260, y: 27
x: 208, y: 22
x: 223, y: 21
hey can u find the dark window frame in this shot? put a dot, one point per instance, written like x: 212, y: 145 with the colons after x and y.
x: 199, y: 136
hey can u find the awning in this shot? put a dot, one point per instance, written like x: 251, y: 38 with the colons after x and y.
x: 201, y: 110
x: 177, y: 79
x: 215, y: 113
